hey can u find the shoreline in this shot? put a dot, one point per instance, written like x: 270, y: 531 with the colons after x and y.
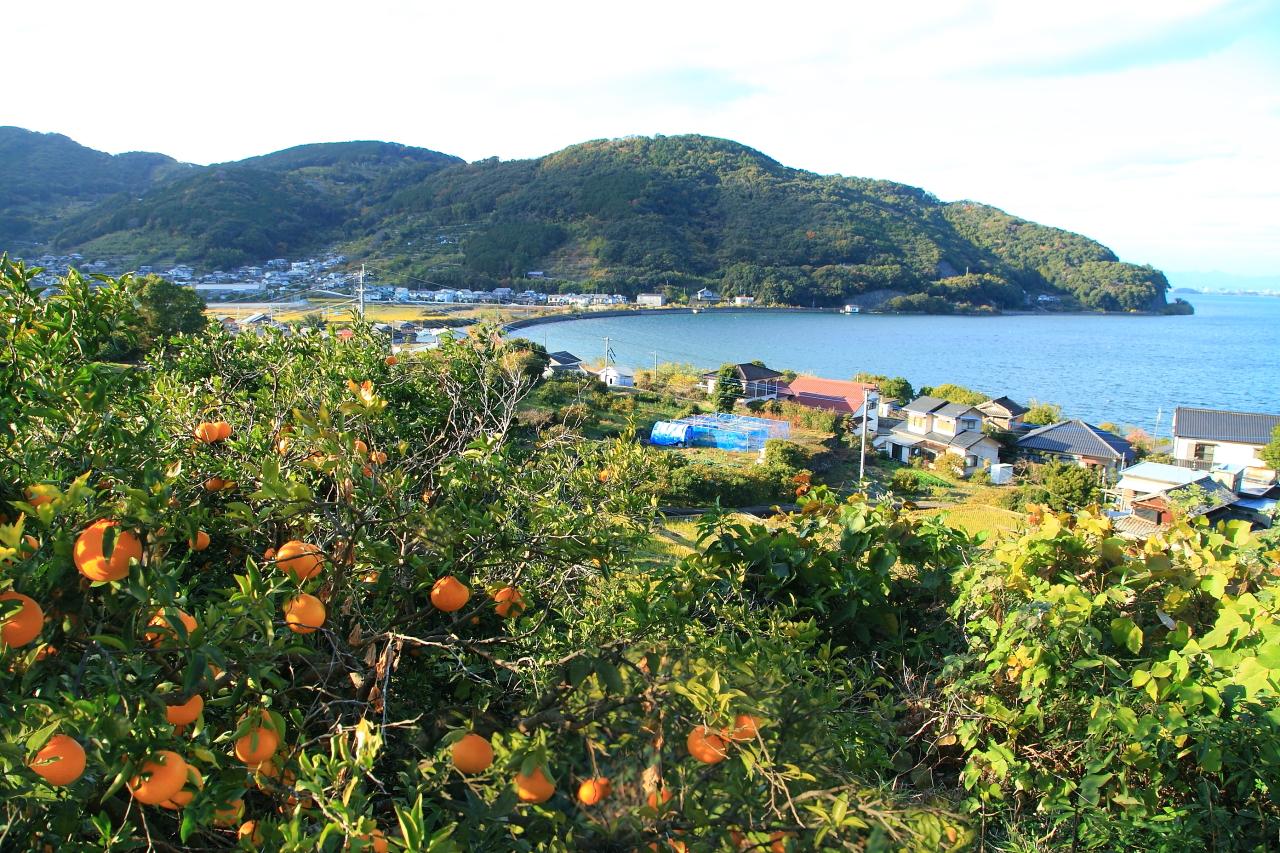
x: 527, y: 322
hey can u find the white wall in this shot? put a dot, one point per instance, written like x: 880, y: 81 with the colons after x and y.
x: 1224, y: 453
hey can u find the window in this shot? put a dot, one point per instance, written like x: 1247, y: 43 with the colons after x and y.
x: 970, y: 461
x: 1204, y: 452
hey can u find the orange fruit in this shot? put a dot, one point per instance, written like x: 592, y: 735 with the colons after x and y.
x: 391, y: 361
x: 299, y: 559
x: 508, y: 602
x: 224, y: 430
x: 360, y: 447
x: 60, y: 761
x: 744, y: 728
x: 93, y: 563
x: 24, y: 626
x: 164, y: 629
x: 534, y: 788
x: 269, y: 554
x: 228, y: 813
x: 187, y: 793
x: 199, y: 542
x: 304, y: 613
x: 27, y: 547
x: 215, y: 484
x: 778, y: 842
x: 375, y: 841
x: 706, y: 746
x: 249, y: 831
x: 594, y: 790
x: 472, y: 754
x: 185, y: 713
x: 659, y: 795
x: 379, y: 457
x: 39, y: 494
x: 207, y: 433
x: 449, y: 594
x: 257, y: 746
x: 159, y: 778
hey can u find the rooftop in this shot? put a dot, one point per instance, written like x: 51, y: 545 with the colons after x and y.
x: 925, y: 405
x: 1174, y: 475
x: 1004, y: 406
x: 1220, y: 425
x: 1077, y: 438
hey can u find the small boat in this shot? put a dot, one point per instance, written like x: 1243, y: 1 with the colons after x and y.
x: 695, y: 310
x: 851, y: 309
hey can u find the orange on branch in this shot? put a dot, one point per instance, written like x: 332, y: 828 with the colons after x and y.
x: 39, y: 494
x: 449, y: 594
x: 508, y: 602
x: 391, y: 361
x: 472, y: 754
x: 594, y: 790
x: 375, y: 841
x: 90, y: 552
x: 300, y: 559
x: 187, y: 793
x: 535, y: 787
x: 24, y: 626
x: 745, y: 727
x: 228, y: 813
x: 207, y: 432
x: 257, y: 746
x: 706, y: 745
x: 159, y: 778
x: 199, y: 542
x: 61, y: 761
x: 304, y: 613
x: 163, y: 629
x: 249, y: 831
x: 185, y: 713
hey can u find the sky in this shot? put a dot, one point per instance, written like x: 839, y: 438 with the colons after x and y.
x: 1150, y: 125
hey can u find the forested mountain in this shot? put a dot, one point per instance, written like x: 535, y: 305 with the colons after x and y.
x: 620, y: 215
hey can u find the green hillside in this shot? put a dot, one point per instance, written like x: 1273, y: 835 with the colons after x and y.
x: 623, y: 215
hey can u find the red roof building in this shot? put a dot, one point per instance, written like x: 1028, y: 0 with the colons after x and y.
x: 834, y: 395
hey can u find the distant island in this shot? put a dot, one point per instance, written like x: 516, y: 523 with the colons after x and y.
x: 667, y: 215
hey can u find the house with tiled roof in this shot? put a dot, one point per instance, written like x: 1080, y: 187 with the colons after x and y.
x: 942, y: 431
x: 1150, y: 496
x: 562, y: 362
x: 1078, y: 443
x: 857, y: 400
x: 756, y: 381
x: 1003, y: 413
x: 1209, y: 438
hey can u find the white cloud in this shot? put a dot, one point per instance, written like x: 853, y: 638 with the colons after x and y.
x: 1148, y: 125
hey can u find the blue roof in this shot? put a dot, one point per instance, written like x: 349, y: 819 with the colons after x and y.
x: 1163, y: 473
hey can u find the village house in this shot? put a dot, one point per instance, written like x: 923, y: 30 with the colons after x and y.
x: 651, y: 300
x: 1003, y: 413
x: 942, y: 431
x: 1078, y: 443
x: 614, y: 375
x: 1208, y: 438
x: 1150, y: 495
x: 706, y: 295
x: 756, y: 381
x: 563, y: 362
x: 744, y: 301
x: 853, y: 399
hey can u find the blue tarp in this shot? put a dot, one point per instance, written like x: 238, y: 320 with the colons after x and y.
x: 667, y: 433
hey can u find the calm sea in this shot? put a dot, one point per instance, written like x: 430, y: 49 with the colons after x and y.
x: 1124, y: 369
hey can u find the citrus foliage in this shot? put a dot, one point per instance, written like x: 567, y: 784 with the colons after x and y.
x: 291, y: 594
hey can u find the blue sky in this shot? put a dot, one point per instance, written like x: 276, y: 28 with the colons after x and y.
x: 1151, y: 126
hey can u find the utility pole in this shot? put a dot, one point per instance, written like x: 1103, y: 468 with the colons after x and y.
x: 606, y: 352
x: 655, y: 362
x: 360, y: 293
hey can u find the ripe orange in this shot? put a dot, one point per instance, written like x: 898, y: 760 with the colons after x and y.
x: 304, y: 613
x: 360, y: 447
x: 159, y: 778
x: 60, y: 761
x: 300, y: 559
x: 744, y: 728
x: 534, y: 788
x: 375, y: 841
x: 706, y: 746
x: 778, y: 842
x: 594, y: 790
x: 509, y: 602
x: 93, y: 563
x: 24, y: 626
x: 472, y: 754
x: 228, y: 813
x: 257, y: 746
x: 199, y: 542
x: 249, y: 830
x: 207, y: 433
x: 165, y: 630
x: 449, y: 594
x: 659, y: 796
x: 224, y: 430
x: 187, y: 793
x: 27, y: 547
x: 391, y: 361
x: 185, y: 713
x: 215, y: 484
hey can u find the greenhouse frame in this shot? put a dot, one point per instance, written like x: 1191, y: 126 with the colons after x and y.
x: 720, y: 430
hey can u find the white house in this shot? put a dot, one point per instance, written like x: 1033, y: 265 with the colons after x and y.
x: 651, y: 300
x: 616, y: 375
x: 743, y: 301
x: 936, y: 429
x: 707, y: 295
x: 1209, y: 438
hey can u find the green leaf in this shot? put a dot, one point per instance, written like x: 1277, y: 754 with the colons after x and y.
x: 1125, y: 633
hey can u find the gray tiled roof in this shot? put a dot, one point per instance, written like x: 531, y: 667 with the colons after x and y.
x: 1217, y: 425
x: 563, y: 357
x: 953, y: 410
x: 1003, y: 404
x: 1076, y: 438
x: 967, y: 439
x: 924, y: 405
